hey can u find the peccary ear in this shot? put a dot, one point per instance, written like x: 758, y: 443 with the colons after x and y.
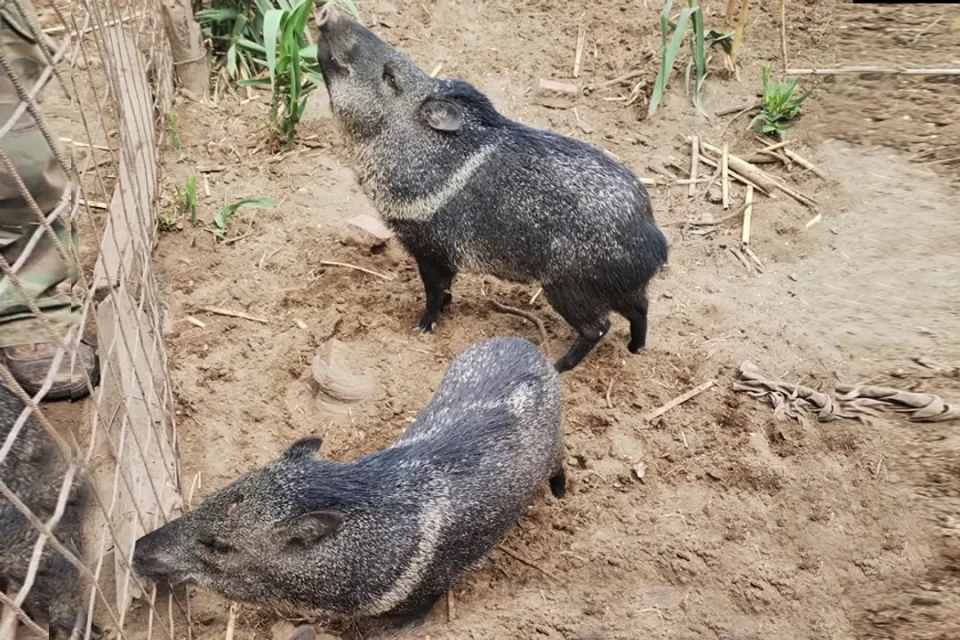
x: 442, y: 115
x: 303, y: 448
x: 310, y: 527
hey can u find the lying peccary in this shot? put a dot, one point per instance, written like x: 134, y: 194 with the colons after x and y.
x: 466, y: 189
x: 33, y: 470
x: 387, y: 533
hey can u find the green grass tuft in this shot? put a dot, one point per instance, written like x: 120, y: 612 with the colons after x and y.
x: 780, y: 105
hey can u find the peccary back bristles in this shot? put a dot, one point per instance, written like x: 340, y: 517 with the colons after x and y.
x: 34, y: 471
x: 391, y: 531
x: 467, y: 189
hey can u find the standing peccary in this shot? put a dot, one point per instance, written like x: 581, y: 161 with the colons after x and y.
x: 33, y: 470
x: 390, y: 532
x: 466, y: 189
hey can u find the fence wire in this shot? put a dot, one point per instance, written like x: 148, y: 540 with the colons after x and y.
x: 88, y: 452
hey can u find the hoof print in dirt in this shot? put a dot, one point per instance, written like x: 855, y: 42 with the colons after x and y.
x: 334, y: 384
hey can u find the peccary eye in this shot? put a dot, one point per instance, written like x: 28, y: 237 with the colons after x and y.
x: 215, y: 545
x: 390, y: 78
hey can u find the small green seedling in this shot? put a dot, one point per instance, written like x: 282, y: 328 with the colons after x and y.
x: 187, y: 199
x: 780, y: 105
x: 175, y: 131
x: 167, y: 222
x: 220, y: 220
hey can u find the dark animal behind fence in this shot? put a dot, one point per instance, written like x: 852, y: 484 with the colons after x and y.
x: 34, y: 471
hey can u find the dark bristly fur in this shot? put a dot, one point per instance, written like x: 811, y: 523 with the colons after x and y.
x: 387, y: 533
x: 467, y: 189
x: 34, y: 471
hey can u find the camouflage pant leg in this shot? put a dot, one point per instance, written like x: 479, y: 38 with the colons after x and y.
x: 45, y: 275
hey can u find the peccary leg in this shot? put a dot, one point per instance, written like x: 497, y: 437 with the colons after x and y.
x: 437, y: 281
x: 558, y: 484
x: 581, y: 312
x: 635, y: 310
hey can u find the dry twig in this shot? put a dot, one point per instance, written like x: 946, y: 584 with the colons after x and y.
x: 783, y: 32
x: 234, y: 314
x: 759, y: 177
x: 502, y: 308
x: 742, y: 258
x: 747, y: 216
x: 739, y: 110
x: 451, y: 606
x: 904, y: 71
x: 725, y: 176
x: 232, y: 621
x: 737, y: 115
x: 926, y: 29
x: 516, y: 556
x: 738, y: 34
x: 345, y: 265
x: 694, y: 164
x: 753, y: 257
x: 630, y: 75
x: 736, y: 176
x: 581, y: 42
x: 806, y: 164
x: 683, y: 397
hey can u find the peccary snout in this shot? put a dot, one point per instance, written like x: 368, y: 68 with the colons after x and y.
x: 467, y: 189
x: 391, y: 531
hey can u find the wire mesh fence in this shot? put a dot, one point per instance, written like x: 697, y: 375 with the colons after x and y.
x: 85, y: 86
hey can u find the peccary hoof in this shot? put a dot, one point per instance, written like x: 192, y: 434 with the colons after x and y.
x: 426, y: 324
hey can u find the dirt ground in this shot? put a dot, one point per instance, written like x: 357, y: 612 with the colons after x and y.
x: 743, y: 527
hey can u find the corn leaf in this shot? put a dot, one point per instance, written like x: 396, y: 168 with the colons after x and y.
x: 271, y: 34
x: 216, y: 15
x: 669, y: 54
x: 220, y: 220
x: 699, y: 55
x: 232, y: 60
x: 352, y: 8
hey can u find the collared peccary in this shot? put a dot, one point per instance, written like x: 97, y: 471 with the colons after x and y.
x: 389, y: 532
x: 467, y: 189
x: 34, y: 470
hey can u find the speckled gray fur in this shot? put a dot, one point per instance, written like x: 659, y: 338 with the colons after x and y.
x: 34, y: 471
x: 467, y: 189
x: 391, y: 531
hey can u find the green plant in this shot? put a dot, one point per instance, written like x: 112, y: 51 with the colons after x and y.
x: 220, y: 220
x: 187, y: 199
x: 167, y: 222
x: 290, y: 81
x: 701, y: 40
x: 271, y: 36
x: 780, y: 105
x: 175, y: 130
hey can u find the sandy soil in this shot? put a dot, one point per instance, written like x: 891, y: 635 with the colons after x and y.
x: 744, y: 527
